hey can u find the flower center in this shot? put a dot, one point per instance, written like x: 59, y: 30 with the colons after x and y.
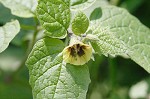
x: 77, y: 49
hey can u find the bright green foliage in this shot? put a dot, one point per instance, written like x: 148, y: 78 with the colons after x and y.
x: 67, y: 2
x: 7, y: 33
x: 54, y: 16
x: 129, y: 30
x: 80, y: 23
x: 50, y: 77
x: 21, y: 8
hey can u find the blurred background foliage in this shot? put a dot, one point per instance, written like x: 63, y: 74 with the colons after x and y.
x: 112, y: 78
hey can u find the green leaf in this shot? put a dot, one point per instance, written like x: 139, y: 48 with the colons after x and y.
x: 50, y: 77
x: 80, y: 23
x: 96, y: 14
x: 87, y: 7
x: 81, y: 4
x: 54, y: 15
x: 130, y: 30
x: 21, y: 8
x: 104, y: 42
x: 7, y: 33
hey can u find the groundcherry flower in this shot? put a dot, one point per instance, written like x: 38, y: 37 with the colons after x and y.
x: 77, y: 53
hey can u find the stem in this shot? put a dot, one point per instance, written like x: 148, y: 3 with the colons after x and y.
x: 31, y: 44
x: 67, y: 41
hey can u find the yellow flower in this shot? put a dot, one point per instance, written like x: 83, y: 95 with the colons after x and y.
x: 77, y: 53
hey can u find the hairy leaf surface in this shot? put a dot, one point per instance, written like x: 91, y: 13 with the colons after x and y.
x: 50, y: 77
x: 129, y: 30
x: 54, y: 16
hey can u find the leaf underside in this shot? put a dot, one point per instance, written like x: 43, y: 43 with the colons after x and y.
x: 21, y: 8
x: 7, y: 33
x: 81, y: 4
